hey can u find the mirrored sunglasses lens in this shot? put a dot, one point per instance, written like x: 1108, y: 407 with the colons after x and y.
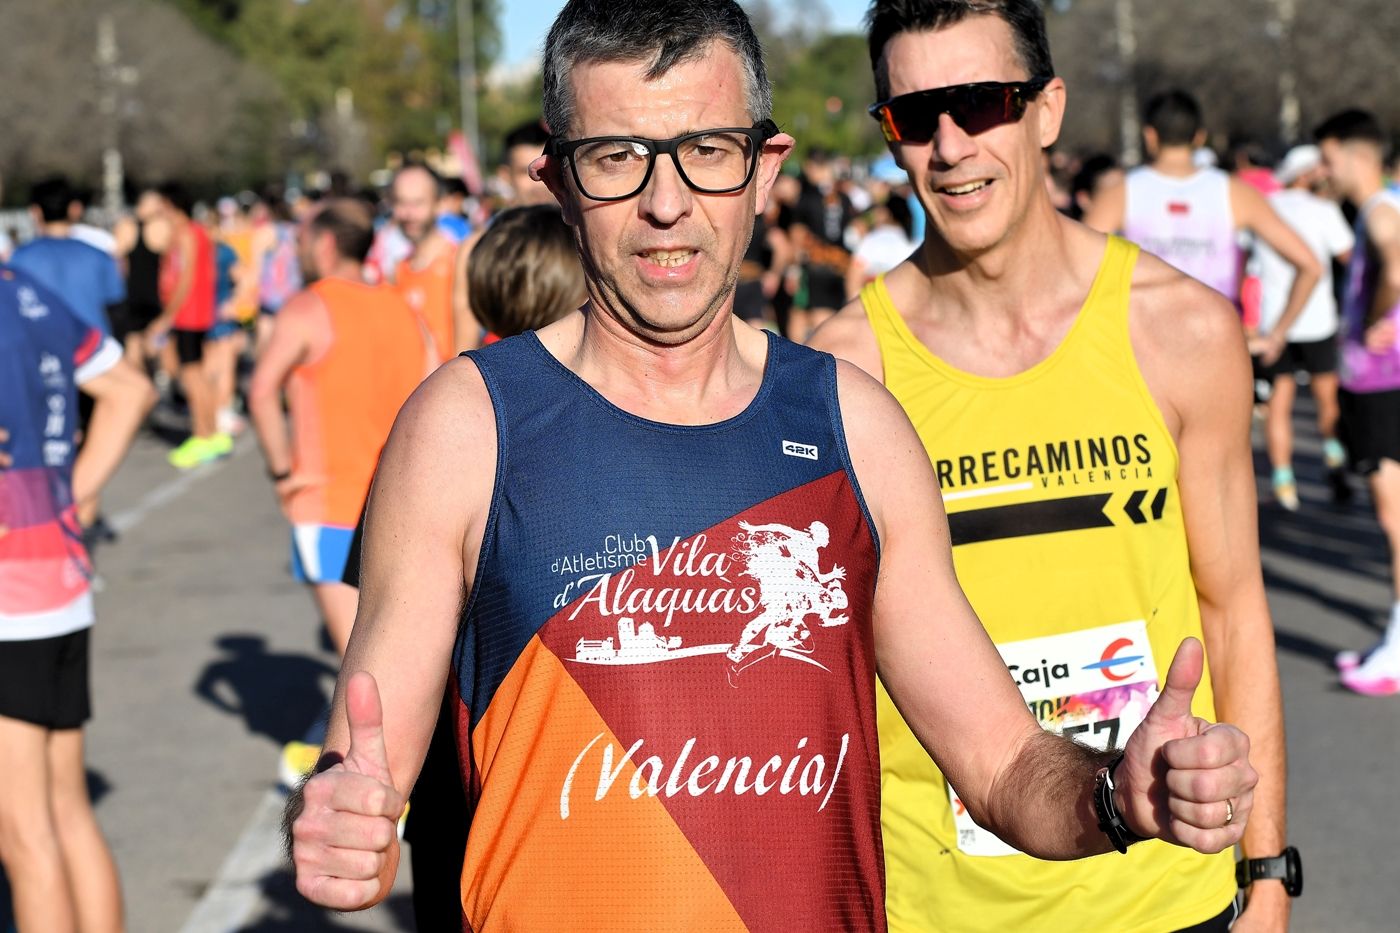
x: 977, y: 110
x: 912, y: 119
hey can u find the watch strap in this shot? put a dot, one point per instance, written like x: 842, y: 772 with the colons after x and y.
x: 1287, y: 867
x: 1110, y: 820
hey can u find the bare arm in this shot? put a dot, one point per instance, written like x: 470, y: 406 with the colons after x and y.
x: 1194, y: 358
x: 1383, y: 230
x: 424, y: 523
x: 1030, y: 787
x: 289, y: 346
x: 1254, y: 213
x: 124, y: 396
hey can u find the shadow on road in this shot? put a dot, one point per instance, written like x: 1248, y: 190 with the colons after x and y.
x: 288, y: 912
x: 276, y: 694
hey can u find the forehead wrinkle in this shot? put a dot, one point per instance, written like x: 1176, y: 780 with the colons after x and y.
x: 694, y: 95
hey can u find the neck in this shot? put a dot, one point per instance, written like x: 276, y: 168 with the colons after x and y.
x: 1178, y: 161
x: 427, y: 249
x: 1367, y: 186
x: 706, y: 378
x: 1005, y: 280
x: 346, y: 269
x: 57, y: 228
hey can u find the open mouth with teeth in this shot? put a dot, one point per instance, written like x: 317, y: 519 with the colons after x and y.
x: 669, y: 258
x: 971, y: 187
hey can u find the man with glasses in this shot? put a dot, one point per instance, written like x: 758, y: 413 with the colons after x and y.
x: 1086, y: 410
x: 575, y: 527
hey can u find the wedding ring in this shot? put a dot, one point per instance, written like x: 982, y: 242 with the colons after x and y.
x: 1229, y: 812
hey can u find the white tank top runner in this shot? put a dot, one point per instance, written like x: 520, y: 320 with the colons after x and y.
x: 1187, y: 222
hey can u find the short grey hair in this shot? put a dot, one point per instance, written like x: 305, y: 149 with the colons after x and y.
x: 663, y: 32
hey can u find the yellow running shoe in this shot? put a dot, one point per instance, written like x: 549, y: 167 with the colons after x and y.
x: 220, y: 445
x: 190, y: 454
x: 298, y: 760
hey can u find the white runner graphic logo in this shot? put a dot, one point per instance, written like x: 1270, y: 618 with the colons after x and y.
x: 792, y: 589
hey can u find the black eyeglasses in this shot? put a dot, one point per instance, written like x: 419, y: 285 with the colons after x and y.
x: 614, y: 168
x: 976, y: 108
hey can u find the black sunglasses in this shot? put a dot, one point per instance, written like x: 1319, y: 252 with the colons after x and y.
x: 614, y: 168
x: 976, y: 108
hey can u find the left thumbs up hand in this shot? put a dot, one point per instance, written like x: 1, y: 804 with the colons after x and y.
x: 1184, y: 779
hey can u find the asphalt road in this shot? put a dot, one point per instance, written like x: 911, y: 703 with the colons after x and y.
x: 207, y: 659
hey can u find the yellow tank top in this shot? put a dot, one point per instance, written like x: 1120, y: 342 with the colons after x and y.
x: 1061, y: 490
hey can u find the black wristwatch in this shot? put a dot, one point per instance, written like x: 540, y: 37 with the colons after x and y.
x: 1287, y: 868
x: 1110, y: 820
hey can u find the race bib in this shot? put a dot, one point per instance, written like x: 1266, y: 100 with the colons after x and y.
x: 1095, y: 686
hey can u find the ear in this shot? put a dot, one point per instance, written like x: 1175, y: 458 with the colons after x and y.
x: 1150, y: 140
x: 770, y: 162
x: 549, y: 171
x: 1199, y: 139
x: 1050, y: 109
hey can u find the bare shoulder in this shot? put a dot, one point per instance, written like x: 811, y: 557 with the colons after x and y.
x: 450, y: 414
x: 1383, y: 222
x: 304, y: 311
x: 438, y: 468
x: 847, y: 335
x: 886, y: 452
x: 1187, y: 337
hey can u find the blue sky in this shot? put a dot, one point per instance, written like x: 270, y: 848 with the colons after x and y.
x: 524, y: 22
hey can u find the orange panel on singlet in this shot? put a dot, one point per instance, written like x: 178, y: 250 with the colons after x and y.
x: 543, y: 838
x: 344, y: 402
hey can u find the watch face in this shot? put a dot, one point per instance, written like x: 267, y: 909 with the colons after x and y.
x: 1293, y: 872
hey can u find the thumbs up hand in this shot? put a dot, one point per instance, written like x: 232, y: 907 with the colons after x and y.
x: 1184, y: 779
x: 345, y: 840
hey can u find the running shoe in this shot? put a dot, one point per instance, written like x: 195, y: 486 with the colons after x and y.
x: 193, y: 452
x: 1377, y: 676
x: 1285, y: 488
x: 298, y: 760
x: 221, y: 444
x: 1334, y: 454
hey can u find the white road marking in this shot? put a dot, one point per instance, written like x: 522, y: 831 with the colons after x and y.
x: 989, y: 491
x: 168, y: 492
x: 237, y: 889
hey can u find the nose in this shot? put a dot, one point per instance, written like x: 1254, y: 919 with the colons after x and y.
x: 951, y: 143
x: 666, y: 198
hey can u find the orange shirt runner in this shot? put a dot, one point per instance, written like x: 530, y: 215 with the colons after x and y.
x: 428, y: 291
x: 344, y: 402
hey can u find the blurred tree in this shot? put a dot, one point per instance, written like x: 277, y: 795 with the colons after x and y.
x: 186, y: 108
x: 821, y: 81
x: 362, y: 77
x: 1230, y: 56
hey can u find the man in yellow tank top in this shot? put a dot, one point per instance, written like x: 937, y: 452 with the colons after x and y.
x: 1086, y: 409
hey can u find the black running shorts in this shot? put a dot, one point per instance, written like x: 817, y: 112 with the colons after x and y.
x: 189, y: 345
x: 826, y: 288
x: 1370, y: 428
x: 46, y: 681
x: 1312, y: 357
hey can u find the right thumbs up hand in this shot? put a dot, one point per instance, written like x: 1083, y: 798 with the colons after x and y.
x: 345, y: 839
